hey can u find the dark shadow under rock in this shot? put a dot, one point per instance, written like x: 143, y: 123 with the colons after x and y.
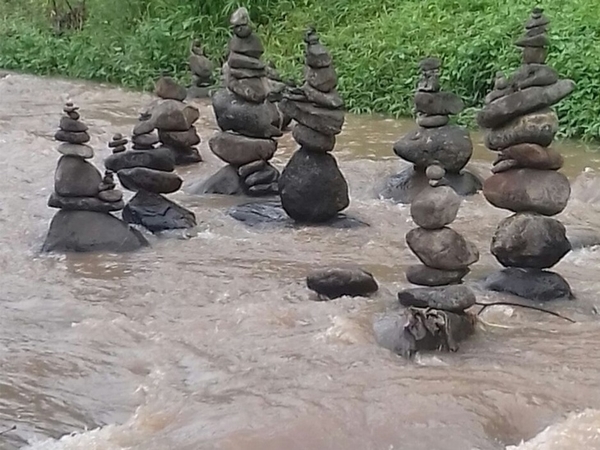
x: 531, y: 284
x: 90, y: 231
x: 157, y: 213
x: 406, y: 185
x: 271, y: 214
x: 336, y: 282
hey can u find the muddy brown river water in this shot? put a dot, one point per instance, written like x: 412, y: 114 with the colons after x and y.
x: 213, y: 341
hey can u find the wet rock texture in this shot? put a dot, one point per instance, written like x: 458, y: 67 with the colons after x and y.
x: 337, y: 282
x: 520, y: 125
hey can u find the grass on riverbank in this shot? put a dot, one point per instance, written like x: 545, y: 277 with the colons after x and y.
x: 376, y: 45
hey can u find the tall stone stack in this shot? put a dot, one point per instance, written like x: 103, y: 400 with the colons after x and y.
x: 245, y: 116
x: 435, y: 141
x: 312, y: 187
x: 149, y: 173
x: 202, y: 71
x: 520, y: 126
x: 85, y: 198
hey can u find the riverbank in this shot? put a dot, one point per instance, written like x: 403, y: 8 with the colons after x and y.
x: 375, y: 45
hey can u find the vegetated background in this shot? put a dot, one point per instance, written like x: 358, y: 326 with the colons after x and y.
x: 376, y: 44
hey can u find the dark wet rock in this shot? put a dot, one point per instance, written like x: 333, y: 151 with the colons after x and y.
x: 258, y: 174
x: 72, y: 137
x: 583, y: 237
x: 158, y: 159
x: 449, y: 146
x: 317, y: 56
x: 542, y: 191
x: 148, y: 140
x: 68, y: 124
x: 254, y: 90
x: 530, y: 156
x: 172, y: 115
x: 179, y: 139
x: 186, y: 156
x: 442, y: 249
x: 438, y: 103
x: 312, y: 188
x: 324, y: 121
x: 426, y: 121
x: 143, y: 179
x: 435, y: 207
x: 242, y: 74
x: 80, y: 150
x: 226, y: 182
x: 336, y: 282
x: 313, y: 140
x: 239, y: 61
x: 514, y: 105
x: 254, y: 166
x: 75, y: 177
x: 250, y: 46
x: 238, y: 150
x: 330, y: 100
x: 83, y: 203
x: 157, y: 213
x: 530, y: 241
x: 323, y: 79
x: 144, y: 127
x: 89, y: 231
x: 426, y: 276
x: 169, y: 89
x: 111, y: 195
x: 529, y: 75
x: 117, y: 141
x: 455, y: 298
x: 536, y: 128
x: 532, y: 284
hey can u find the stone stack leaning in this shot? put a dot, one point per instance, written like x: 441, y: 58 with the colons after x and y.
x: 520, y: 126
x: 312, y: 187
x: 202, y: 70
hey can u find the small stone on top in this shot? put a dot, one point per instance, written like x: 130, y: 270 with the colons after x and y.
x: 311, y: 36
x: 429, y: 64
x: 70, y: 108
x: 240, y: 17
x: 435, y: 172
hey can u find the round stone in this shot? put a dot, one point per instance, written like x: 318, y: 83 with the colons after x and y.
x: 426, y: 276
x: 337, y: 282
x: 83, y: 151
x: 448, y: 298
x: 75, y: 177
x: 435, y: 172
x: 143, y: 179
x: 111, y: 195
x: 435, y: 207
x: 443, y: 249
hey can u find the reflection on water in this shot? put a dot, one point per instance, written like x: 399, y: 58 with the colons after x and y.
x: 213, y: 342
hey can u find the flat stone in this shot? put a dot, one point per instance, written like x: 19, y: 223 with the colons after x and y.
x: 185, y: 157
x: 239, y: 61
x: 530, y: 241
x: 317, y: 56
x: 530, y: 156
x: 437, y: 121
x: 521, y: 190
x: 75, y: 177
x: 264, y: 176
x: 250, y: 46
x: 144, y: 127
x: 179, y: 139
x: 250, y: 168
x: 529, y: 75
x: 111, y: 195
x: 539, y: 40
x: 119, y: 142
x: 81, y: 150
x: 157, y: 213
x: 438, y: 103
x: 172, y: 115
x: 168, y: 89
x: 72, y: 137
x: 148, y: 140
x: 532, y: 99
x: 443, y: 249
x: 330, y: 100
x: 83, y: 203
x: 158, y: 159
x: 534, y: 55
x: 531, y: 284
x: 449, y: 146
x: 90, y: 231
x: 326, y: 121
x: 447, y: 298
x: 254, y: 90
x: 535, y: 128
x: 310, y: 139
x: 243, y: 74
x: 435, y: 208
x: 312, y: 188
x: 426, y: 276
x: 74, y: 115
x: 143, y: 179
x: 263, y: 190
x: 537, y: 21
x: 225, y: 181
x: 237, y: 150
x: 323, y: 79
x: 337, y: 282
x: 68, y: 124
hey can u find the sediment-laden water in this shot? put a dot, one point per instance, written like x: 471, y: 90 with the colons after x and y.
x: 213, y: 342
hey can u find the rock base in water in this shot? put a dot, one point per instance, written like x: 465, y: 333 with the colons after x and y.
x: 90, y: 231
x: 157, y: 213
x: 336, y: 282
x: 532, y: 284
x: 447, y: 298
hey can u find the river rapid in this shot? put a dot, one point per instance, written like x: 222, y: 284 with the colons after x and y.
x: 212, y: 341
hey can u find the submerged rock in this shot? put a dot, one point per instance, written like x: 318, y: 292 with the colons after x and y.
x: 157, y: 213
x: 532, y: 284
x: 447, y: 298
x: 337, y: 282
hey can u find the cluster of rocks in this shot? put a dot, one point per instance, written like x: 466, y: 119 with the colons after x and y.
x: 85, y: 197
x: 312, y: 187
x: 149, y: 173
x: 435, y: 141
x: 202, y: 71
x: 520, y: 126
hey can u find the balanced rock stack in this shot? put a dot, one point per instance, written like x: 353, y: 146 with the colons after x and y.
x: 85, y: 198
x: 149, y: 173
x: 276, y: 89
x: 520, y: 127
x: 202, y: 71
x: 312, y: 187
x: 144, y: 135
x: 245, y: 117
x: 435, y: 141
x: 175, y: 122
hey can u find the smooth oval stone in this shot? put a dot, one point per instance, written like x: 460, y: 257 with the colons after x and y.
x: 447, y: 298
x: 337, y: 282
x: 173, y: 115
x: 179, y: 139
x: 528, y: 190
x: 435, y: 208
x: 267, y: 175
x: 426, y: 121
x: 147, y: 140
x: 529, y: 75
x: 159, y: 159
x: 535, y: 128
x: 313, y: 140
x: 187, y: 156
x: 326, y: 121
x: 312, y: 188
x: 144, y: 127
x: 238, y: 150
x: 111, y: 195
x: 84, y: 203
x: 254, y: 90
x: 117, y: 141
x: 169, y: 89
x: 68, y: 124
x: 239, y: 61
x: 449, y: 146
x: 443, y: 249
x: 530, y: 241
x: 323, y: 79
x: 157, y: 213
x: 75, y: 177
x: 329, y: 100
x: 250, y: 168
x: 532, y: 284
x: 72, y: 137
x: 81, y: 150
x: 530, y: 156
x: 242, y: 31
x: 250, y: 46
x: 143, y: 179
x: 426, y: 276
x: 438, y: 103
x: 317, y: 56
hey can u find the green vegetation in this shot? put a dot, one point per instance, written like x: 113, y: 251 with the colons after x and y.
x: 376, y: 44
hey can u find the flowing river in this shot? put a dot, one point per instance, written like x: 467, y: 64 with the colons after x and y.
x: 213, y: 342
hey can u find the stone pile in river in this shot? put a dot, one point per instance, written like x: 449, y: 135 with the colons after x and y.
x: 202, y: 71
x: 149, y: 173
x: 144, y: 135
x: 85, y: 197
x: 435, y: 141
x: 276, y: 89
x: 312, y: 187
x: 520, y: 126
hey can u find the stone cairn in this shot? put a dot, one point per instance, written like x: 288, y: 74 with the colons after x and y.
x: 202, y: 71
x: 245, y: 118
x: 175, y: 122
x: 520, y: 126
x: 144, y: 135
x: 435, y: 141
x: 85, y: 197
x: 149, y: 173
x: 312, y: 187
x: 277, y: 86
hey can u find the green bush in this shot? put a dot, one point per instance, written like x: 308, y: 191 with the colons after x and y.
x: 376, y: 45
